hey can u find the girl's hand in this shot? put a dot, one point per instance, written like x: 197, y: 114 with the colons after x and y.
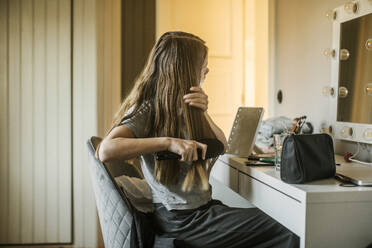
x: 198, y: 99
x: 186, y: 148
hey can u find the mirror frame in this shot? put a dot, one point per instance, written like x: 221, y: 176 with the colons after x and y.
x: 346, y: 130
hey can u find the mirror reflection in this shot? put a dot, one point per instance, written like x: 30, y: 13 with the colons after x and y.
x: 355, y: 71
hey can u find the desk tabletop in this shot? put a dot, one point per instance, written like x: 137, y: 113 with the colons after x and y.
x: 327, y: 190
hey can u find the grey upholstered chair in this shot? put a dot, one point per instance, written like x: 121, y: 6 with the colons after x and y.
x: 114, y: 210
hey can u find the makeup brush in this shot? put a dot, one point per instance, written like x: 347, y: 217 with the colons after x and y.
x: 214, y: 149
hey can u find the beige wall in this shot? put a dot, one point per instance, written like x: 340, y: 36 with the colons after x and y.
x: 220, y: 24
x: 109, y: 68
x: 259, y: 53
x: 97, y: 89
x: 250, y: 34
x: 261, y: 50
x: 108, y: 62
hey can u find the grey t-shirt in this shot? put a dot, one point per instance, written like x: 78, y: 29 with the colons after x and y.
x: 171, y: 197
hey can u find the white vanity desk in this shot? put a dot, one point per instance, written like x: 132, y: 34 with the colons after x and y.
x: 321, y: 213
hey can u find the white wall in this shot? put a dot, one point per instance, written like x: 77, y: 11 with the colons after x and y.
x: 302, y: 33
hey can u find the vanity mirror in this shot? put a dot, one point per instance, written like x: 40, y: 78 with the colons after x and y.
x: 351, y: 106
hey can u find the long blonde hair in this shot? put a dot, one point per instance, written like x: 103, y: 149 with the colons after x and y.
x: 173, y: 67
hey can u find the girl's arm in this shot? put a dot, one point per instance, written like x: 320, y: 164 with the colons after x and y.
x: 121, y: 144
x: 219, y: 133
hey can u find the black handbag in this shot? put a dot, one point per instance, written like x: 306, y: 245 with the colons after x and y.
x: 306, y: 158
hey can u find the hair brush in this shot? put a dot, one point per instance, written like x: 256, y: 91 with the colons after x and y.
x: 214, y: 149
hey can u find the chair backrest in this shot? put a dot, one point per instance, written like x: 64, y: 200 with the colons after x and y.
x: 114, y: 209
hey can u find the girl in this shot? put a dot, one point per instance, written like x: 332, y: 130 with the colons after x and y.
x: 167, y: 110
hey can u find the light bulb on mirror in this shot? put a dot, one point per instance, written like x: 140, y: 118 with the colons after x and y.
x: 331, y: 15
x: 347, y: 132
x: 344, y: 54
x: 329, y: 52
x: 369, y: 89
x: 351, y: 7
x: 343, y: 92
x: 325, y: 128
x: 369, y: 44
x: 367, y: 134
x: 328, y: 91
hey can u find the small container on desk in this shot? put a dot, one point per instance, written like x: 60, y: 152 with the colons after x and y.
x: 278, y: 146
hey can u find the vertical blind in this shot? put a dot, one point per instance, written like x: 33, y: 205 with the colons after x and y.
x: 35, y: 124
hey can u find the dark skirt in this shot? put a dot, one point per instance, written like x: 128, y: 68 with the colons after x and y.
x: 217, y: 225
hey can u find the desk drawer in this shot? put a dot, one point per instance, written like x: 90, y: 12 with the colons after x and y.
x: 286, y: 210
